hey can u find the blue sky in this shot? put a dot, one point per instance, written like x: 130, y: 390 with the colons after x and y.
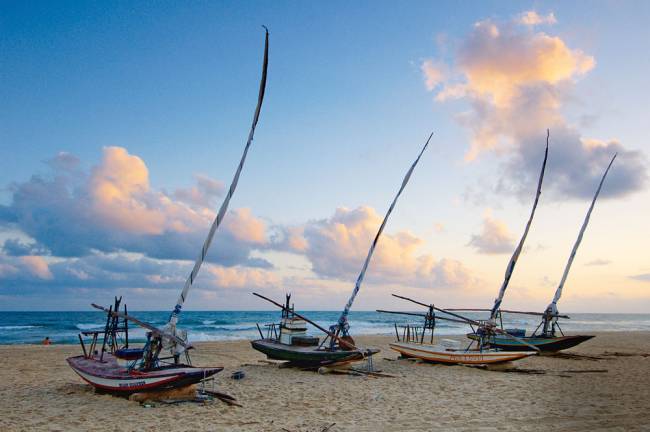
x: 346, y: 111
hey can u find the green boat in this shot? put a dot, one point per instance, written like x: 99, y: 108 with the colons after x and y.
x: 548, y: 336
x: 288, y: 340
x: 544, y: 344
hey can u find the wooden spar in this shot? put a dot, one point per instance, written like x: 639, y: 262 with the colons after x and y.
x: 83, y: 347
x: 126, y: 328
x: 108, y: 322
x: 421, y: 315
x: 515, y: 255
x: 504, y: 310
x: 327, y: 332
x: 342, y: 322
x: 469, y: 321
x: 154, y: 330
x: 233, y: 185
x: 552, y: 307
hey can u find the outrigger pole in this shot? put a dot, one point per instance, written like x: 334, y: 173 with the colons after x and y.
x: 155, y: 330
x: 342, y: 325
x: 503, y: 310
x: 173, y: 319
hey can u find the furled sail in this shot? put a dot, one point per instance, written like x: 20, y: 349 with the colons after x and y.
x: 224, y: 206
x: 520, y: 246
x: 342, y: 323
x: 552, y: 307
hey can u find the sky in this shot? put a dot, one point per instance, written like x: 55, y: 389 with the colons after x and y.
x: 122, y: 123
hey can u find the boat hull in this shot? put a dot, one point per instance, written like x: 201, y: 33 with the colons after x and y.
x: 545, y: 344
x: 441, y: 354
x: 108, y: 376
x: 307, y: 355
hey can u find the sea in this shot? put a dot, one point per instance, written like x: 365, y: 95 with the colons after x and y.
x: 64, y: 327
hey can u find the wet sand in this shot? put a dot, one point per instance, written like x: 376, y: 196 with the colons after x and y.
x: 603, y: 384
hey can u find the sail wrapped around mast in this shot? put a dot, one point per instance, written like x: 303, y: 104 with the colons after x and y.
x: 552, y: 307
x: 224, y: 206
x: 515, y: 256
x: 342, y: 322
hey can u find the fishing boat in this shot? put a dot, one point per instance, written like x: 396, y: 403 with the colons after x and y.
x: 288, y: 340
x: 123, y: 370
x: 443, y: 353
x: 478, y: 352
x: 411, y: 343
x: 545, y: 337
x: 120, y: 369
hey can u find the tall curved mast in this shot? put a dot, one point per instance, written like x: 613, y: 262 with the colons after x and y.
x: 552, y: 307
x: 515, y: 256
x: 343, y: 319
x: 224, y: 206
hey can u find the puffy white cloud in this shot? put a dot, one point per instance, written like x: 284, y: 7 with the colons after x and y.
x: 532, y: 18
x: 203, y: 194
x: 433, y: 74
x: 113, y: 208
x: 337, y: 246
x: 494, y: 237
x: 241, y: 277
x: 516, y: 82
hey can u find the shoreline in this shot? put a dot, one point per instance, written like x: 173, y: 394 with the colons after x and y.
x: 359, y: 336
x: 603, y: 384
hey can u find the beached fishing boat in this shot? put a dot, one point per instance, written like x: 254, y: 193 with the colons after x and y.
x: 441, y: 353
x: 478, y: 352
x: 288, y: 340
x: 545, y: 344
x: 121, y: 369
x: 545, y: 337
x: 411, y: 342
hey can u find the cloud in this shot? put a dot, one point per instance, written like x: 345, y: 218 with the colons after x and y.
x: 532, y: 18
x: 113, y: 208
x: 98, y: 271
x: 203, y: 194
x: 64, y: 161
x: 241, y: 277
x: 337, y: 246
x: 433, y: 74
x: 494, y: 237
x: 516, y: 82
x: 645, y: 277
x: 37, y: 266
x: 598, y: 262
x: 73, y: 231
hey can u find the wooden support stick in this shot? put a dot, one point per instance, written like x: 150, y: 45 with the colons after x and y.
x: 83, y: 347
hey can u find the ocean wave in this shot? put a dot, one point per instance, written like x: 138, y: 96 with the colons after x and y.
x: 84, y: 326
x: 228, y: 327
x: 19, y: 327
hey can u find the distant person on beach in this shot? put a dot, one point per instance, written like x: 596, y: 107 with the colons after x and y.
x: 47, y: 341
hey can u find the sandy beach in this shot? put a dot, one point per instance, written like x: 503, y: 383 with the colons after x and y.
x: 603, y: 384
